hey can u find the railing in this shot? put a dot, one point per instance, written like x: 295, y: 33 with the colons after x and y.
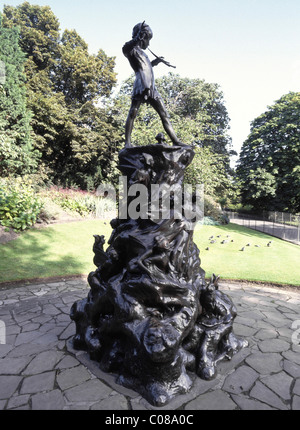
x: 284, y: 225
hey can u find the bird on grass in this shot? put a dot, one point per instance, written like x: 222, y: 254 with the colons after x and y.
x: 207, y: 249
x: 243, y: 249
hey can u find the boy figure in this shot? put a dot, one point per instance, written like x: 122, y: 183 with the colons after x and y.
x: 144, y: 90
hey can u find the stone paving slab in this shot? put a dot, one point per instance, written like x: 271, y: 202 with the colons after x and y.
x: 39, y: 369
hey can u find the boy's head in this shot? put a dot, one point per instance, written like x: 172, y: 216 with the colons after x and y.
x: 142, y: 28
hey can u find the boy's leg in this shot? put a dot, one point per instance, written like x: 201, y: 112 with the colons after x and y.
x: 135, y: 105
x: 160, y: 108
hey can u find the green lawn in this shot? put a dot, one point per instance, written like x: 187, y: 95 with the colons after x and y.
x: 278, y: 264
x: 66, y: 249
x: 60, y: 250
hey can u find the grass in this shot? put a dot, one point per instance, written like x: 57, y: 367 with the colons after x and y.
x: 66, y: 250
x: 276, y: 264
x: 60, y: 250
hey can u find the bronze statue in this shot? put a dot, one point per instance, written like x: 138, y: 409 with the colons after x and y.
x: 150, y: 316
x: 144, y: 90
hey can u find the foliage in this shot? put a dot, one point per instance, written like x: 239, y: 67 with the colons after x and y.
x: 67, y: 199
x: 78, y: 201
x: 19, y: 206
x: 269, y: 164
x: 207, y: 220
x: 214, y: 211
x: 74, y: 205
x: 77, y: 127
x: 39, y: 32
x: 239, y: 207
x: 50, y: 211
x: 209, y: 170
x: 16, y: 152
x: 261, y: 188
x: 67, y: 90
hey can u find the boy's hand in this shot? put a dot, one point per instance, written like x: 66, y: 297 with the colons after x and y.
x: 160, y: 60
x: 155, y: 62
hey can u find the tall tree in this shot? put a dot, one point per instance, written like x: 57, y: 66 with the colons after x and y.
x: 79, y: 76
x: 269, y: 163
x: 66, y: 86
x: 17, y: 156
x: 209, y: 169
x: 39, y: 32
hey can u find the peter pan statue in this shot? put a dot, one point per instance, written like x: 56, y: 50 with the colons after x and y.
x: 144, y: 90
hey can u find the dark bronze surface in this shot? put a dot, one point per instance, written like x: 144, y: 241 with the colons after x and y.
x: 150, y: 316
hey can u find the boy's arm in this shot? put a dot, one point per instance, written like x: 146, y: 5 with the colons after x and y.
x: 129, y: 46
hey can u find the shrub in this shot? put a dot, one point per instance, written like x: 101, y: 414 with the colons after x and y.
x: 19, y: 206
x: 79, y: 202
x: 214, y: 211
x: 74, y: 205
x: 103, y: 206
x: 208, y: 221
x: 70, y: 200
x: 49, y: 212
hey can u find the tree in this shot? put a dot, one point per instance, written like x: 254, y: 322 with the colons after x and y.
x: 209, y: 169
x: 261, y: 189
x: 67, y: 88
x: 17, y: 156
x: 269, y: 163
x: 39, y: 32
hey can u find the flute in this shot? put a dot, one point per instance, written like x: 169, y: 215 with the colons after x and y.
x: 162, y: 59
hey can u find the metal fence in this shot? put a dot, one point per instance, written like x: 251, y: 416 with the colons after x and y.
x: 284, y: 225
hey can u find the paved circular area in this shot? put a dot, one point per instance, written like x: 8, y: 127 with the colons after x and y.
x: 39, y: 369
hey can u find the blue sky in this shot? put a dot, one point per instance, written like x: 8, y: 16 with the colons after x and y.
x: 251, y: 48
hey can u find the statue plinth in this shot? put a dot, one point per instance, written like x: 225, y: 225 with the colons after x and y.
x: 150, y: 317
